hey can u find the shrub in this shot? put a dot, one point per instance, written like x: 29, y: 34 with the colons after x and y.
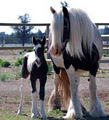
x: 29, y: 50
x: 1, y: 61
x: 4, y: 77
x: 18, y: 62
x: 5, y: 64
x: 50, y: 67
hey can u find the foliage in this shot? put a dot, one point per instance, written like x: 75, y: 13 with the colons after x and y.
x: 106, y: 30
x: 23, y: 32
x: 105, y: 53
x: 1, y: 61
x: 5, y: 64
x: 29, y: 50
x: 50, y: 67
x: 5, y: 76
x: 18, y: 62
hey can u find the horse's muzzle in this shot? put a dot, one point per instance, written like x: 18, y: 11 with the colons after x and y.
x: 55, y: 51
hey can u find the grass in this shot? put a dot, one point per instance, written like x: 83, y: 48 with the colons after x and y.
x: 5, y: 77
x: 11, y: 115
x: 8, y: 75
x: 102, y: 72
x: 6, y: 114
x: 107, y: 103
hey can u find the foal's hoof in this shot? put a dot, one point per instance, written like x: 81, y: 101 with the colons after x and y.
x: 19, y: 112
x: 44, y: 117
x: 33, y: 116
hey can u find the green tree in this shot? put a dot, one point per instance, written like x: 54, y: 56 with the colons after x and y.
x: 23, y: 32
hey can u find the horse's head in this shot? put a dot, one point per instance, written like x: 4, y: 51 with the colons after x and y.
x: 39, y: 49
x: 60, y: 31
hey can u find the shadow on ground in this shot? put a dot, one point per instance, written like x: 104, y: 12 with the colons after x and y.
x: 86, y: 117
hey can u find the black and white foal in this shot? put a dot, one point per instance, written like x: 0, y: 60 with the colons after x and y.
x: 35, y: 65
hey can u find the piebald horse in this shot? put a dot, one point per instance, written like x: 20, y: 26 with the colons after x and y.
x: 75, y: 47
x: 34, y: 64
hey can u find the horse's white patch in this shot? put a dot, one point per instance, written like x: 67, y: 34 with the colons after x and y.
x: 22, y: 89
x: 81, y: 32
x: 32, y: 57
x: 43, y: 115
x: 34, y: 111
x: 58, y: 61
x: 95, y: 105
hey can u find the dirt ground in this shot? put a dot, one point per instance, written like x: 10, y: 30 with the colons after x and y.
x: 10, y: 91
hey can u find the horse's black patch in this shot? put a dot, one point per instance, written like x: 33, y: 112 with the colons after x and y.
x: 56, y: 69
x: 88, y: 62
x: 66, y: 27
x: 41, y: 74
x: 25, y: 72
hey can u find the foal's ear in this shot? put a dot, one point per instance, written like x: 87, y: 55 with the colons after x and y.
x: 34, y: 41
x: 44, y: 40
x: 52, y: 10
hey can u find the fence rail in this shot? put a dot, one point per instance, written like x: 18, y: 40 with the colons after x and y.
x: 104, y: 37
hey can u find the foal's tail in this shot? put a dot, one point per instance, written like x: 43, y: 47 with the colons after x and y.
x: 65, y: 88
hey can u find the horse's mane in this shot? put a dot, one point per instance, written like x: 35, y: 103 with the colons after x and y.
x: 81, y: 32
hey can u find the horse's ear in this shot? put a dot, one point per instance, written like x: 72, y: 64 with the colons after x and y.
x: 44, y: 40
x: 52, y: 10
x: 34, y: 41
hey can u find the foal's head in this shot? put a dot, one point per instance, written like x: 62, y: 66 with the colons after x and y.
x: 39, y: 49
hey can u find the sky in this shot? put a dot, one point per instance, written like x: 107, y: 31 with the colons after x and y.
x: 39, y: 10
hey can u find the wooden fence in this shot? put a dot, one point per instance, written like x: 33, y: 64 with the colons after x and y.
x: 105, y: 46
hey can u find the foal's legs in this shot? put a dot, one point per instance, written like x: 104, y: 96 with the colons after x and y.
x: 96, y: 109
x: 22, y: 91
x: 75, y: 108
x: 34, y: 111
x: 42, y: 95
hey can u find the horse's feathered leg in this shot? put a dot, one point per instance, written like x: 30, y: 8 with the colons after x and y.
x: 75, y: 109
x: 22, y: 91
x: 54, y: 100
x: 96, y: 109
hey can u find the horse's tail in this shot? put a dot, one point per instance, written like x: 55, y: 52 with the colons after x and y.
x: 65, y: 88
x: 25, y: 72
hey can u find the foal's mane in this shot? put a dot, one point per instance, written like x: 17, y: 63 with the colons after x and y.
x: 81, y: 32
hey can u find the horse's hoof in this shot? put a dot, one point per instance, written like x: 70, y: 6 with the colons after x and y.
x: 99, y: 113
x: 71, y: 114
